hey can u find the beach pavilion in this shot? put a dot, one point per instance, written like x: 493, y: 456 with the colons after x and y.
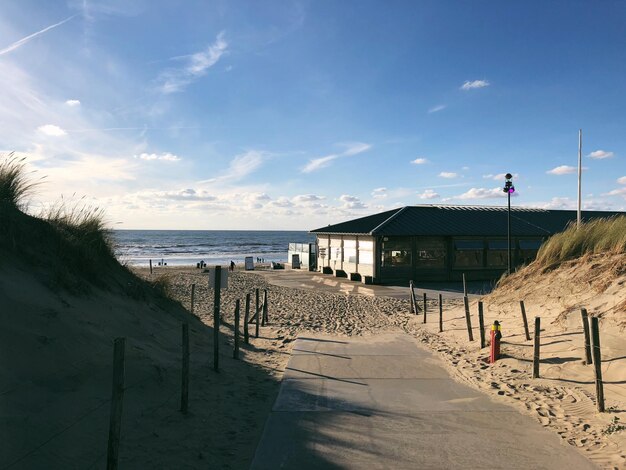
x: 437, y: 242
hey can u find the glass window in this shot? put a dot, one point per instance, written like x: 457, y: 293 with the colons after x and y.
x: 396, y: 252
x: 497, y: 255
x: 366, y: 252
x: 468, y: 253
x: 430, y: 253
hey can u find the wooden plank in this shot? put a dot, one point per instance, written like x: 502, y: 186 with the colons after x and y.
x: 467, y: 319
x: 597, y: 363
x: 236, y: 331
x: 425, y: 307
x: 481, y: 324
x: 117, y: 398
x: 184, y: 376
x: 585, y: 318
x: 246, y: 318
x: 523, y: 308
x: 216, y: 318
x: 440, y: 314
x: 536, y: 357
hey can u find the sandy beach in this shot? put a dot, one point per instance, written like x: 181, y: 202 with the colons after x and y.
x: 561, y: 400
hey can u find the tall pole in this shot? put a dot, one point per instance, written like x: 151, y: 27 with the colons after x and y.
x: 580, y: 171
x: 509, y: 233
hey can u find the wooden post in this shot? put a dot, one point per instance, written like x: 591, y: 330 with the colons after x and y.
x: 521, y: 304
x: 246, y: 319
x: 464, y: 286
x: 216, y: 318
x: 467, y: 319
x: 117, y: 397
x: 424, y: 307
x: 481, y: 324
x: 265, y: 317
x: 440, y: 314
x: 411, y: 297
x: 257, y: 314
x: 151, y: 267
x: 536, y: 349
x: 597, y: 363
x: 193, y: 296
x: 236, y: 332
x: 585, y: 319
x: 184, y: 387
x: 414, y: 300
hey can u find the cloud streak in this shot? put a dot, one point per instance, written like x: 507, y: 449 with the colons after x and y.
x: 26, y: 39
x: 562, y: 170
x: 600, y: 154
x: 322, y: 162
x: 175, y: 80
x: 435, y: 109
x: 475, y: 84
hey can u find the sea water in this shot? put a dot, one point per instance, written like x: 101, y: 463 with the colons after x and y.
x: 188, y: 247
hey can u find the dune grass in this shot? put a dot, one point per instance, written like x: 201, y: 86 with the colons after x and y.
x: 15, y: 183
x: 68, y: 245
x: 594, y: 237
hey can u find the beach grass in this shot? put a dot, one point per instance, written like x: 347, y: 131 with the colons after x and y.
x: 598, y: 236
x: 15, y: 183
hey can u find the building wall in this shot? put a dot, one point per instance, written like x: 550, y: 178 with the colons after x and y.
x: 348, y: 253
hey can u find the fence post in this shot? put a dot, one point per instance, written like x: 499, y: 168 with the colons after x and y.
x: 440, y: 314
x: 411, y: 297
x: 246, y: 319
x: 117, y: 397
x: 424, y: 307
x: 521, y: 304
x: 414, y: 300
x: 481, y: 324
x: 151, y: 267
x: 216, y: 318
x: 258, y: 315
x: 193, y: 297
x: 184, y: 388
x: 266, y: 320
x: 536, y: 348
x: 467, y: 319
x: 597, y: 363
x: 585, y: 319
x: 464, y: 286
x: 236, y: 332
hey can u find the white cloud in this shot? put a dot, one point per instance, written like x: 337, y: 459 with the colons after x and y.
x: 168, y: 157
x: 448, y: 174
x: 322, y: 162
x: 72, y: 103
x: 24, y: 40
x: 51, y: 130
x: 419, y: 161
x: 475, y: 84
x: 429, y: 194
x: 175, y: 80
x: 500, y: 176
x: 307, y: 198
x: 562, y: 170
x: 379, y: 193
x: 351, y: 202
x: 622, y: 180
x: 434, y: 109
x: 187, y: 195
x: 617, y: 192
x: 483, y: 193
x: 600, y: 154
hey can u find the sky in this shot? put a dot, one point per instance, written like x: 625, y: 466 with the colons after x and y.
x: 286, y: 114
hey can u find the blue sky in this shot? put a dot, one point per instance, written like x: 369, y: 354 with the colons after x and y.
x: 296, y: 114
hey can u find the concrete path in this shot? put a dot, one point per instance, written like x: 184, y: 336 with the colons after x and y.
x: 306, y: 280
x: 384, y: 403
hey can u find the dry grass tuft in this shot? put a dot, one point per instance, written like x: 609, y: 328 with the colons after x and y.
x: 594, y: 237
x: 15, y: 183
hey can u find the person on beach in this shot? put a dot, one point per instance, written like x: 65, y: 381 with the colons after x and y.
x: 232, y: 265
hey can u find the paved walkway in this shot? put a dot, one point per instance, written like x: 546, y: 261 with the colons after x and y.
x: 302, y: 279
x: 383, y: 402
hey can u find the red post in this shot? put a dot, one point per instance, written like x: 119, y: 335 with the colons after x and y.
x: 496, y: 334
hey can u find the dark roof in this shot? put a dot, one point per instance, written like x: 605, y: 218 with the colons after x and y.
x: 461, y: 221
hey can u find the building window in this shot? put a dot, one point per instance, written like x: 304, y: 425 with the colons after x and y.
x: 430, y: 253
x: 528, y: 250
x: 349, y: 251
x: 497, y: 255
x: 366, y: 252
x: 396, y: 253
x: 468, y: 253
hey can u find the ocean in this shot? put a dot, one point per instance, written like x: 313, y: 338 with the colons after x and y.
x: 188, y: 247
